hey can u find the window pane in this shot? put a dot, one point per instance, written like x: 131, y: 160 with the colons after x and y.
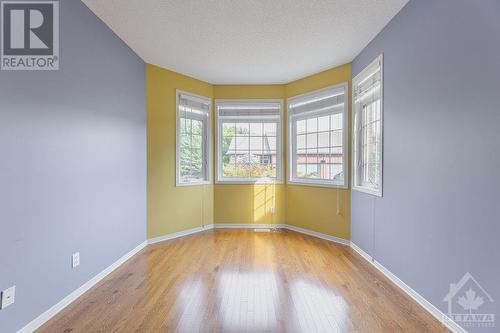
x: 336, y: 139
x: 229, y: 128
x: 270, y: 141
x: 336, y: 158
x: 196, y: 126
x: 336, y: 121
x: 323, y: 158
x: 371, y: 145
x: 242, y: 144
x: 336, y: 150
x: 312, y: 171
x: 191, y: 159
x: 185, y: 160
x: 196, y: 162
x: 312, y: 156
x: 256, y: 143
x: 324, y: 123
x: 242, y: 129
x: 196, y: 141
x: 324, y: 139
x: 301, y: 141
x: 312, y: 140
x: 301, y: 156
x: 312, y: 125
x: 256, y: 129
x: 188, y: 128
x: 301, y: 127
x: 301, y: 170
x: 336, y: 172
x: 324, y: 171
x: 182, y: 123
x: 270, y: 129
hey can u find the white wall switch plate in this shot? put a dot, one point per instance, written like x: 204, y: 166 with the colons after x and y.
x: 8, y: 297
x: 75, y: 259
x: 272, y: 210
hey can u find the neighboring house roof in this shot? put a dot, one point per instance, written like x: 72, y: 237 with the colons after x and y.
x: 255, y: 146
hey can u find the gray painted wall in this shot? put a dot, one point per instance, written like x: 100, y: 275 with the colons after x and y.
x: 439, y: 217
x: 72, y: 167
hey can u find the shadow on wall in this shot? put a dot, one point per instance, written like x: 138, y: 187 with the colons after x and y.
x: 249, y: 203
x: 264, y: 203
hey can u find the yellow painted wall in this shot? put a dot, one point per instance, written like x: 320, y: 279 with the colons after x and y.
x: 248, y: 204
x: 326, y: 210
x: 170, y: 208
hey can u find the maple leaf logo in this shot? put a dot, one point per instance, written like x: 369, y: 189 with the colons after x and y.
x: 470, y: 301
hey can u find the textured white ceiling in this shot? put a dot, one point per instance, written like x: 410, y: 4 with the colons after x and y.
x: 246, y: 41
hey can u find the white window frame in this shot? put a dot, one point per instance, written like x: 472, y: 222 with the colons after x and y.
x: 365, y: 73
x: 207, y: 140
x: 345, y: 139
x: 220, y: 179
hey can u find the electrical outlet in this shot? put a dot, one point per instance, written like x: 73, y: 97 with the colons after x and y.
x: 8, y: 297
x: 76, y: 259
x: 272, y: 210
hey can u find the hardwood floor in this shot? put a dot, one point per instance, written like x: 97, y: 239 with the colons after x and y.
x: 245, y: 281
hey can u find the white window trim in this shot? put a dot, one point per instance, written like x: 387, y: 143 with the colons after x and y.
x: 345, y: 145
x: 219, y: 179
x: 208, y: 141
x: 379, y: 193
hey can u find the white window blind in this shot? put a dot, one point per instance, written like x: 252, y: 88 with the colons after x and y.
x: 193, y: 139
x: 249, y: 140
x: 317, y: 137
x: 367, y: 129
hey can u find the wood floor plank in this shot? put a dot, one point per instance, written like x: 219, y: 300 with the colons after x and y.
x: 245, y: 281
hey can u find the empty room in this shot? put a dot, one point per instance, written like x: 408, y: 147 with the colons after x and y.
x: 299, y: 166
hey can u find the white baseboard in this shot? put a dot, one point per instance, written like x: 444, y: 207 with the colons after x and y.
x: 282, y: 226
x: 47, y: 315
x: 247, y: 226
x: 361, y: 252
x: 180, y: 234
x: 438, y: 314
x: 317, y: 234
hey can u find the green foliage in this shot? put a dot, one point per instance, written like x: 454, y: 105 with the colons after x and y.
x: 227, y: 137
x: 191, y: 148
x: 249, y: 170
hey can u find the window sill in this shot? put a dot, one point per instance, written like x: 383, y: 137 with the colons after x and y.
x: 367, y: 191
x: 248, y: 181
x: 193, y: 184
x: 317, y: 184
